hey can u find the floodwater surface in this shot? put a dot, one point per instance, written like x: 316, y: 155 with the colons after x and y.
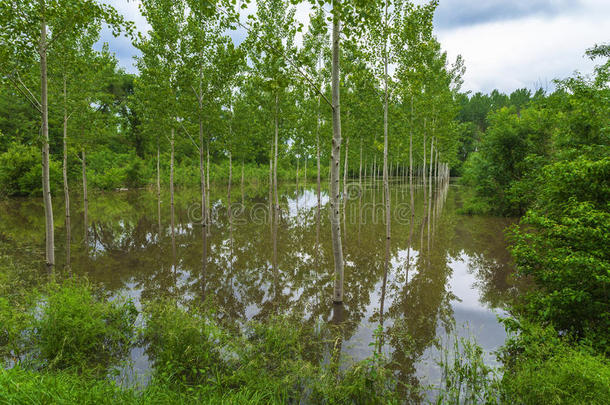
x: 447, y: 273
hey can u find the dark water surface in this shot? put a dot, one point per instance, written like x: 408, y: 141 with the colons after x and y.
x: 457, y: 279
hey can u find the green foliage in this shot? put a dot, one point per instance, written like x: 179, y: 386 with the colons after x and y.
x: 78, y: 329
x: 509, y: 153
x: 21, y: 386
x: 272, y: 360
x: 562, y: 244
x: 466, y: 379
x: 184, y: 346
x: 542, y: 368
x: 21, y: 171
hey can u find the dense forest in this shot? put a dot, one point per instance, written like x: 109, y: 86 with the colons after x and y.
x: 362, y: 95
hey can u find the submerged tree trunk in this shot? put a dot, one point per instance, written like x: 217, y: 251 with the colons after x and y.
x: 46, y: 184
x: 85, y: 197
x: 335, y: 219
x: 65, y: 176
x: 386, y: 183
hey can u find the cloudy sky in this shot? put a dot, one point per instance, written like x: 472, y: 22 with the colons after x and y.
x: 506, y: 44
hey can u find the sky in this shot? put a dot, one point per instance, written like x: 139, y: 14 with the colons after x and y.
x: 506, y: 44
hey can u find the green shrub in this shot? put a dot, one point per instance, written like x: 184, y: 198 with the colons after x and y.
x: 184, y: 346
x: 466, y: 379
x: 542, y: 367
x: 21, y: 171
x: 562, y: 243
x: 78, y: 329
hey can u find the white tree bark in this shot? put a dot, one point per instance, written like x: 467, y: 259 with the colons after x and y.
x: 46, y: 183
x: 335, y: 219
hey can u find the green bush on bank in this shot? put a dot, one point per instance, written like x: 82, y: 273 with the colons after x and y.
x: 66, y: 326
x: 541, y: 367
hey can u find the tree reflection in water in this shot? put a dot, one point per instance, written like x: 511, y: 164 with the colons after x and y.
x: 255, y: 266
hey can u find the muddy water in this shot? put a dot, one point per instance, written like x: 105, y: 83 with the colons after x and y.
x: 447, y: 273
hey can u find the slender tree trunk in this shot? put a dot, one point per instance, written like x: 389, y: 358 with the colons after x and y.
x: 335, y: 219
x: 158, y: 187
x: 230, y: 178
x: 242, y: 182
x: 305, y: 173
x: 374, y: 171
x: 65, y: 175
x: 46, y: 184
x: 318, y: 157
x: 85, y: 197
x: 424, y: 167
x: 297, y: 180
x: 207, y: 173
x: 275, y: 154
x: 204, y: 210
x: 360, y: 169
x: 171, y: 193
x: 271, y: 180
x: 411, y: 166
x: 345, y: 170
x: 386, y: 183
x: 431, y: 167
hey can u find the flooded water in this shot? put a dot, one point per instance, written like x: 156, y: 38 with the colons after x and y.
x: 448, y: 273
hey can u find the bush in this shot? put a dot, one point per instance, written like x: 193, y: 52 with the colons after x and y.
x: 562, y: 243
x: 184, y: 346
x: 542, y: 368
x: 78, y: 329
x: 21, y: 171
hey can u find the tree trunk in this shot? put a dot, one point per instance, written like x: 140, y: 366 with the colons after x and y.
x: 242, y: 182
x: 85, y: 197
x: 271, y: 180
x: 297, y: 179
x: 318, y: 157
x: 335, y: 219
x: 207, y: 173
x: 46, y: 184
x: 158, y: 187
x: 230, y: 178
x: 65, y: 176
x: 201, y: 165
x: 411, y: 165
x: 360, y: 168
x: 345, y: 171
x: 277, y: 197
x: 171, y: 193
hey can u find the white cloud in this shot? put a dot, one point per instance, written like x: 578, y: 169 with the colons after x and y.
x: 517, y: 50
x: 529, y: 51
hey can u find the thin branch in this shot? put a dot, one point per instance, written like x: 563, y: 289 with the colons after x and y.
x: 27, y: 93
x: 191, y: 138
